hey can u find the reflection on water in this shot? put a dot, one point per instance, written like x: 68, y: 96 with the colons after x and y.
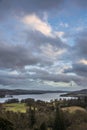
x: 43, y: 97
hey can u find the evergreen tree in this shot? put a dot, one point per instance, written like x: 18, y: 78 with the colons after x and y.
x: 59, y: 121
x: 43, y: 126
x: 32, y: 118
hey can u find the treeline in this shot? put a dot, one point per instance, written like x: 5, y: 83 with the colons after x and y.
x: 32, y: 120
x: 43, y: 120
x: 42, y: 115
x: 79, y: 101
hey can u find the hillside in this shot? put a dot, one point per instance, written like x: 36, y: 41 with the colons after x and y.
x: 80, y: 93
x: 4, y: 92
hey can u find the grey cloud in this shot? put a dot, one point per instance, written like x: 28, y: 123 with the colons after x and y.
x: 12, y: 81
x: 27, y: 6
x: 80, y: 3
x: 78, y: 68
x: 37, y: 5
x: 81, y: 47
x: 22, y: 7
x: 12, y: 56
x: 45, y: 75
x: 79, y: 50
x: 78, y: 53
x: 18, y: 56
x: 39, y: 39
x: 59, y: 78
x: 33, y: 4
x: 41, y: 75
x: 9, y: 79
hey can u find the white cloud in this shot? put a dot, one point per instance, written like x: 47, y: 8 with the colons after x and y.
x: 57, y: 84
x: 14, y: 72
x: 36, y: 23
x: 83, y: 61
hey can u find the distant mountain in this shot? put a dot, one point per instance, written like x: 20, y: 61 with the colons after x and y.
x: 5, y: 92
x: 82, y: 92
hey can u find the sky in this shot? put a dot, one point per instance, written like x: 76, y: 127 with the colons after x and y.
x: 43, y: 44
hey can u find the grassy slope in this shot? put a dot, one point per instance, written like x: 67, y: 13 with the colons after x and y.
x: 73, y: 109
x: 16, y: 107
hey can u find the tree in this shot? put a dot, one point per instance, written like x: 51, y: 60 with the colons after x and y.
x: 32, y: 118
x: 5, y: 124
x: 43, y: 126
x: 59, y: 121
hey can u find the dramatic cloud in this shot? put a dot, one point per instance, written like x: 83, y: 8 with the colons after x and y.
x: 79, y: 56
x: 15, y: 56
x: 37, y: 74
x: 43, y: 43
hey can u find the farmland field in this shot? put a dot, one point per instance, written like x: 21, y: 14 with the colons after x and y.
x: 16, y: 107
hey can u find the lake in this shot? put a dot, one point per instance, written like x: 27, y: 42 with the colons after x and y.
x: 44, y: 97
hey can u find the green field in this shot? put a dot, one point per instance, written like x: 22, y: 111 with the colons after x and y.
x: 15, y: 107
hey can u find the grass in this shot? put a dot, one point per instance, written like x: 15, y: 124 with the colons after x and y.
x: 73, y: 109
x: 16, y: 107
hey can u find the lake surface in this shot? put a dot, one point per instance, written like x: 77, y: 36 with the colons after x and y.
x: 44, y: 97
